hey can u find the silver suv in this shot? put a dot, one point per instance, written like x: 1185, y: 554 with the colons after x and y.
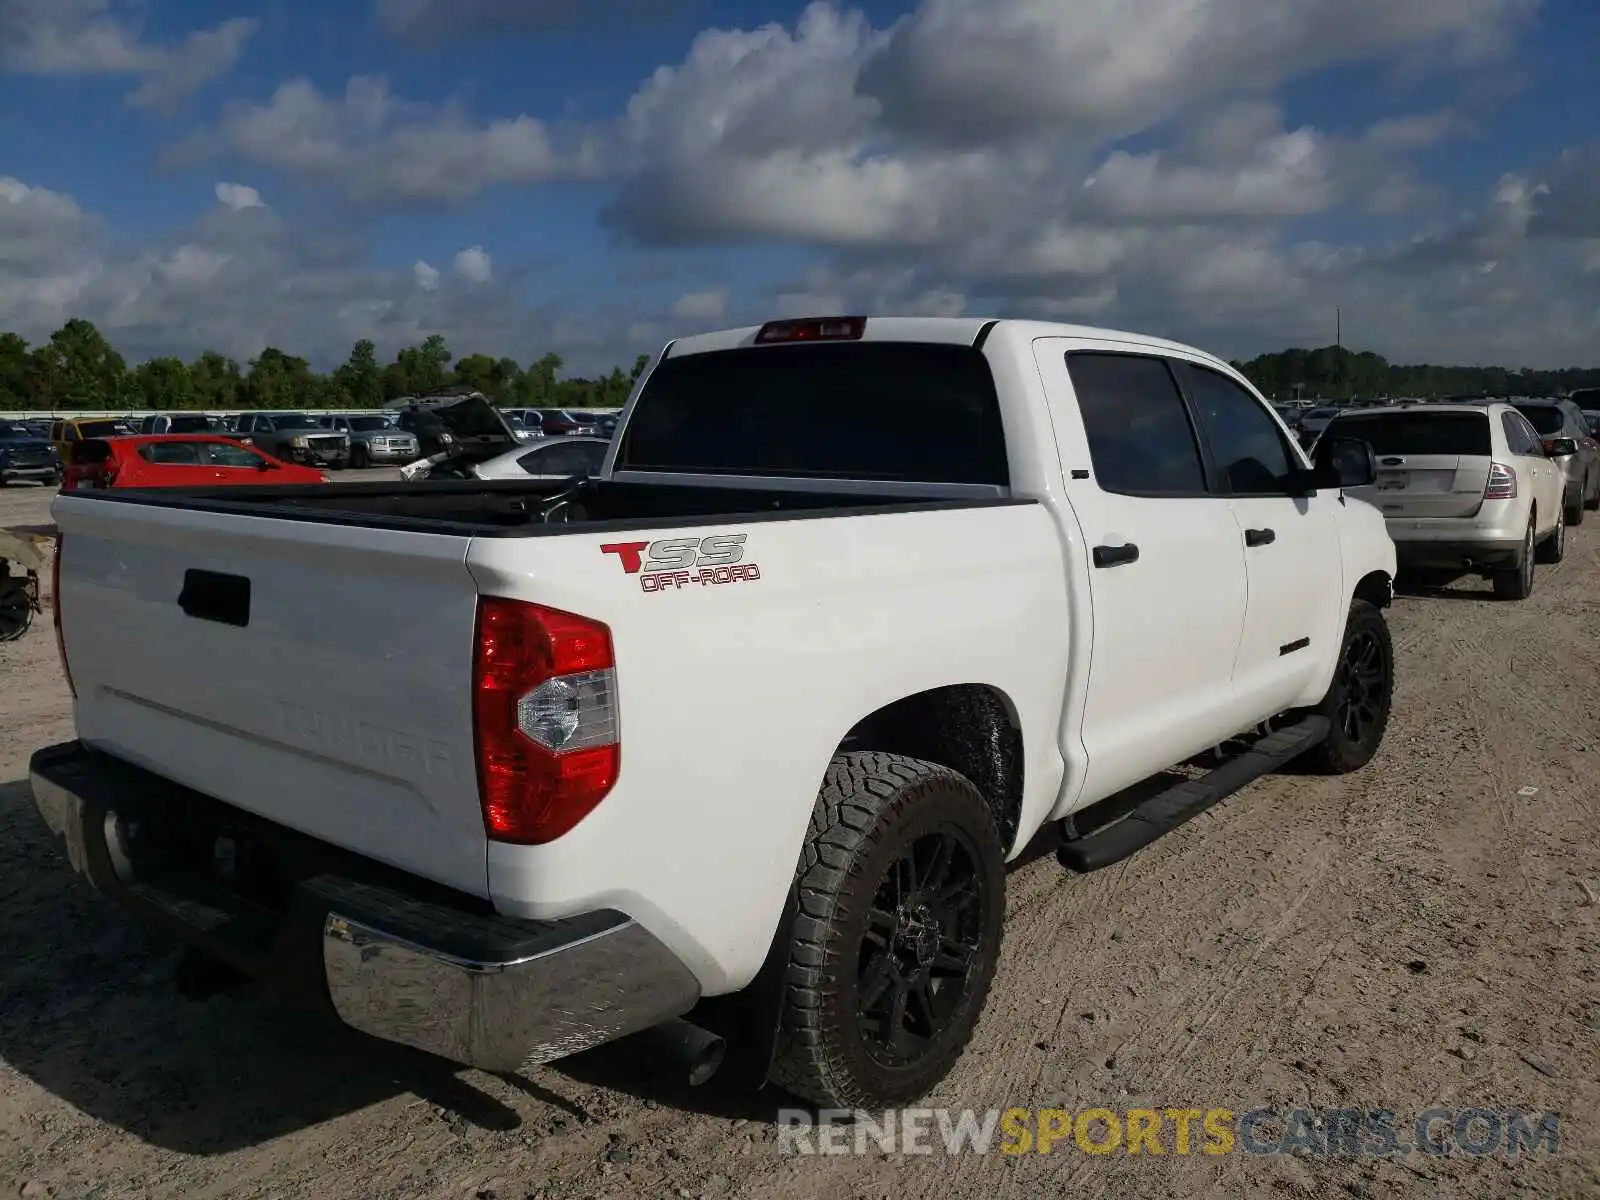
x: 1465, y: 487
x: 1580, y: 470
x: 374, y: 438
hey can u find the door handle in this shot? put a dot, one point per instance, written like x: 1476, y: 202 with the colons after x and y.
x: 1260, y: 537
x: 1115, y: 556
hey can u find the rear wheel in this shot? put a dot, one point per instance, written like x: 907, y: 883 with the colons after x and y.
x: 1516, y: 582
x: 902, y: 891
x: 1554, y: 548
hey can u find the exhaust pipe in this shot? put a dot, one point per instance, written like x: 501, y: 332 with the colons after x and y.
x: 684, y: 1047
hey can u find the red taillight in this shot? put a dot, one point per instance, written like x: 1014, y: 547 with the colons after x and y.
x: 813, y: 329
x: 544, y: 718
x: 55, y: 611
x: 1502, y: 483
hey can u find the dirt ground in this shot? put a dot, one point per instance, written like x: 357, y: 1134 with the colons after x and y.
x: 1423, y: 933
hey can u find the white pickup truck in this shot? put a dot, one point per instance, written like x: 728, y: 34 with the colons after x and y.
x: 727, y: 746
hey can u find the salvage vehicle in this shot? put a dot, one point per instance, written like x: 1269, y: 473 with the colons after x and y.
x: 19, y: 588
x: 26, y: 457
x: 376, y: 439
x: 725, y: 748
x: 1562, y: 422
x: 179, y: 423
x: 178, y: 460
x: 295, y: 437
x: 1467, y: 487
x: 67, y: 433
x: 553, y: 458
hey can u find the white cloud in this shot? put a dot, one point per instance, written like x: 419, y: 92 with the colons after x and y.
x: 88, y: 37
x: 237, y: 196
x: 710, y: 305
x: 955, y: 70
x: 236, y: 281
x: 474, y: 265
x: 376, y: 147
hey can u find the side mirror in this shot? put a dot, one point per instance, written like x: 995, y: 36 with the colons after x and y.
x: 1341, y: 462
x: 1560, y: 447
x: 266, y: 464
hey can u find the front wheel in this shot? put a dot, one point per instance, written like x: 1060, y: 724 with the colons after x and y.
x: 902, y: 891
x: 1575, y: 507
x: 1358, y: 700
x: 1591, y: 499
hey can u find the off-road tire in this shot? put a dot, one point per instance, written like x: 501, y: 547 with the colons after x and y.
x: 872, y: 808
x: 1341, y: 753
x: 1516, y: 583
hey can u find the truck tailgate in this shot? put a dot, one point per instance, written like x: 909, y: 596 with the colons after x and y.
x: 316, y: 674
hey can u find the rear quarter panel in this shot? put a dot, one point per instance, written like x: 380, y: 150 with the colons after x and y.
x: 734, y: 697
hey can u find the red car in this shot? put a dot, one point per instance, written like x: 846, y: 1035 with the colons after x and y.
x: 176, y: 460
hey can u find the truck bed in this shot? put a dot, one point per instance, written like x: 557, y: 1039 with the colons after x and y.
x: 501, y: 508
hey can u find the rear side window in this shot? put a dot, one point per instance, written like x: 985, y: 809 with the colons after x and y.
x: 1418, y: 432
x: 903, y: 411
x: 177, y: 454
x: 1140, y: 438
x: 1546, y: 418
x: 84, y: 430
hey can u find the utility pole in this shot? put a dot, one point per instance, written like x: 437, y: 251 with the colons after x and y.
x: 1338, y: 350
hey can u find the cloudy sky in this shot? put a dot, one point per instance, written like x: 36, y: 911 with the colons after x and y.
x: 592, y: 176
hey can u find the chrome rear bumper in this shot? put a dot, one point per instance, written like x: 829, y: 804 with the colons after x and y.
x: 503, y: 1015
x: 401, y: 961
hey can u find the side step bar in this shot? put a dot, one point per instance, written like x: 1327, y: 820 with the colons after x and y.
x: 1164, y: 812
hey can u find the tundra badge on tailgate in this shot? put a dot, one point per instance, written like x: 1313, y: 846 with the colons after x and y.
x: 672, y: 563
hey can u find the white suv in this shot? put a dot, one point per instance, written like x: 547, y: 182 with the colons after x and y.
x: 1464, y: 486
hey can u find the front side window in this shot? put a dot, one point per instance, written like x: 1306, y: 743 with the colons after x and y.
x: 226, y: 454
x: 1245, y: 443
x: 1140, y: 438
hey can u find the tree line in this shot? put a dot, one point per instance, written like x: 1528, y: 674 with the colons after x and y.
x: 1338, y: 373
x: 78, y: 369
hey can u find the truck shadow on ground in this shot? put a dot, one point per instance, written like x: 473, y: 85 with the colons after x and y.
x: 89, y: 1012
